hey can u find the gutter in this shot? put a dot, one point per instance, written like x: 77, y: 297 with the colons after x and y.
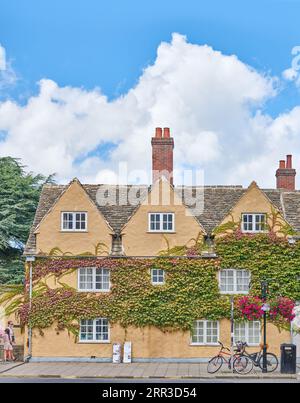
x: 29, y: 259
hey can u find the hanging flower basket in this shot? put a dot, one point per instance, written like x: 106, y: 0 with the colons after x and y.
x: 281, y: 309
x: 250, y: 308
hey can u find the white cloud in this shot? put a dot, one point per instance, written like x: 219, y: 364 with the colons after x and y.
x: 210, y: 101
x: 290, y: 74
x: 7, y: 74
x: 293, y: 73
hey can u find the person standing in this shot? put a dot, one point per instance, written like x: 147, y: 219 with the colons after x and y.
x: 7, y: 346
x: 11, y: 331
x: 11, y: 338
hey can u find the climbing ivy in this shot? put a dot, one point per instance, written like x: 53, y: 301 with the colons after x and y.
x: 190, y: 291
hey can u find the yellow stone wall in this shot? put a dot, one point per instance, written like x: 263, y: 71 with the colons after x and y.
x: 148, y: 342
x: 49, y: 234
x: 138, y: 241
x: 254, y: 201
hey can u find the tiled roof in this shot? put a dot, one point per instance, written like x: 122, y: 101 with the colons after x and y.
x: 217, y: 202
x: 291, y: 203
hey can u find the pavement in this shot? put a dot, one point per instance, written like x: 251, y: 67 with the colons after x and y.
x: 150, y: 371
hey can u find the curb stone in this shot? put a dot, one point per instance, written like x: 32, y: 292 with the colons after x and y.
x: 148, y: 377
x: 15, y: 366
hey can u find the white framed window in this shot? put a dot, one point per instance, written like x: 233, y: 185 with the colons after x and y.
x: 94, y: 279
x: 157, y: 276
x: 254, y: 222
x: 205, y: 332
x: 161, y: 222
x: 74, y: 221
x: 94, y: 330
x: 247, y: 331
x: 234, y: 281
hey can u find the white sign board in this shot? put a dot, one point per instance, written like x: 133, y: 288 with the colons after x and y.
x: 127, y: 352
x: 116, y: 358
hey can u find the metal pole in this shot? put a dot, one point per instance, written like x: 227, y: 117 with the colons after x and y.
x: 231, y: 330
x: 30, y: 305
x: 30, y: 259
x: 264, y: 297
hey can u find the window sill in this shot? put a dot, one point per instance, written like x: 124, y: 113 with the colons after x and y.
x: 255, y: 232
x: 161, y: 232
x: 93, y: 342
x: 72, y: 231
x: 234, y: 292
x: 204, y: 344
x: 95, y: 291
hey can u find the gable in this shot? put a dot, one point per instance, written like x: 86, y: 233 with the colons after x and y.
x: 48, y: 231
x: 255, y: 200
x: 139, y: 241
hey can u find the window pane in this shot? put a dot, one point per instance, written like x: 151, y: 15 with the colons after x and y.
x: 254, y: 332
x: 227, y: 280
x: 242, y: 280
x: 67, y: 221
x: 198, y: 332
x: 86, y: 330
x: 102, y: 279
x: 86, y: 278
x: 211, y: 331
x: 239, y: 331
x: 101, y: 329
x: 165, y: 222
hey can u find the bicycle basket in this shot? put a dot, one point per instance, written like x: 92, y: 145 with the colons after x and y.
x: 239, y: 346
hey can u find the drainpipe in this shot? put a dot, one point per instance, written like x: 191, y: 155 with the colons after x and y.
x: 29, y: 259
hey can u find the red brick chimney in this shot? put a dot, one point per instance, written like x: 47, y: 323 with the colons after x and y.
x: 162, y: 154
x: 285, y: 174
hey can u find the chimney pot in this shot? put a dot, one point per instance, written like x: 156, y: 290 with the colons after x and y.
x: 289, y: 161
x: 158, y: 132
x: 282, y: 164
x: 166, y: 132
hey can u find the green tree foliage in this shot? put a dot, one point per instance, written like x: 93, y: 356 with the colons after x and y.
x: 19, y: 194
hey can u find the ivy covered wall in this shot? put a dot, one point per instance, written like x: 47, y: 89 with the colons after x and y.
x: 190, y: 292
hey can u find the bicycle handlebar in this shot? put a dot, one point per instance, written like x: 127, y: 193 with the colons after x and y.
x: 222, y: 346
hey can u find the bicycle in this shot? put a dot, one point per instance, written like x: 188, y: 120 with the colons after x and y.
x: 257, y: 358
x: 241, y: 364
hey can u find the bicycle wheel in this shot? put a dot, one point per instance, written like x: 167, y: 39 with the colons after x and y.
x: 272, y: 362
x: 215, y: 364
x: 242, y: 364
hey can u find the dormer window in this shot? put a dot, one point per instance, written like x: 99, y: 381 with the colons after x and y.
x: 256, y: 222
x: 161, y: 222
x: 73, y: 221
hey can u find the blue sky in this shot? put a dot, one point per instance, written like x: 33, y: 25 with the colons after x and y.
x: 108, y: 44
